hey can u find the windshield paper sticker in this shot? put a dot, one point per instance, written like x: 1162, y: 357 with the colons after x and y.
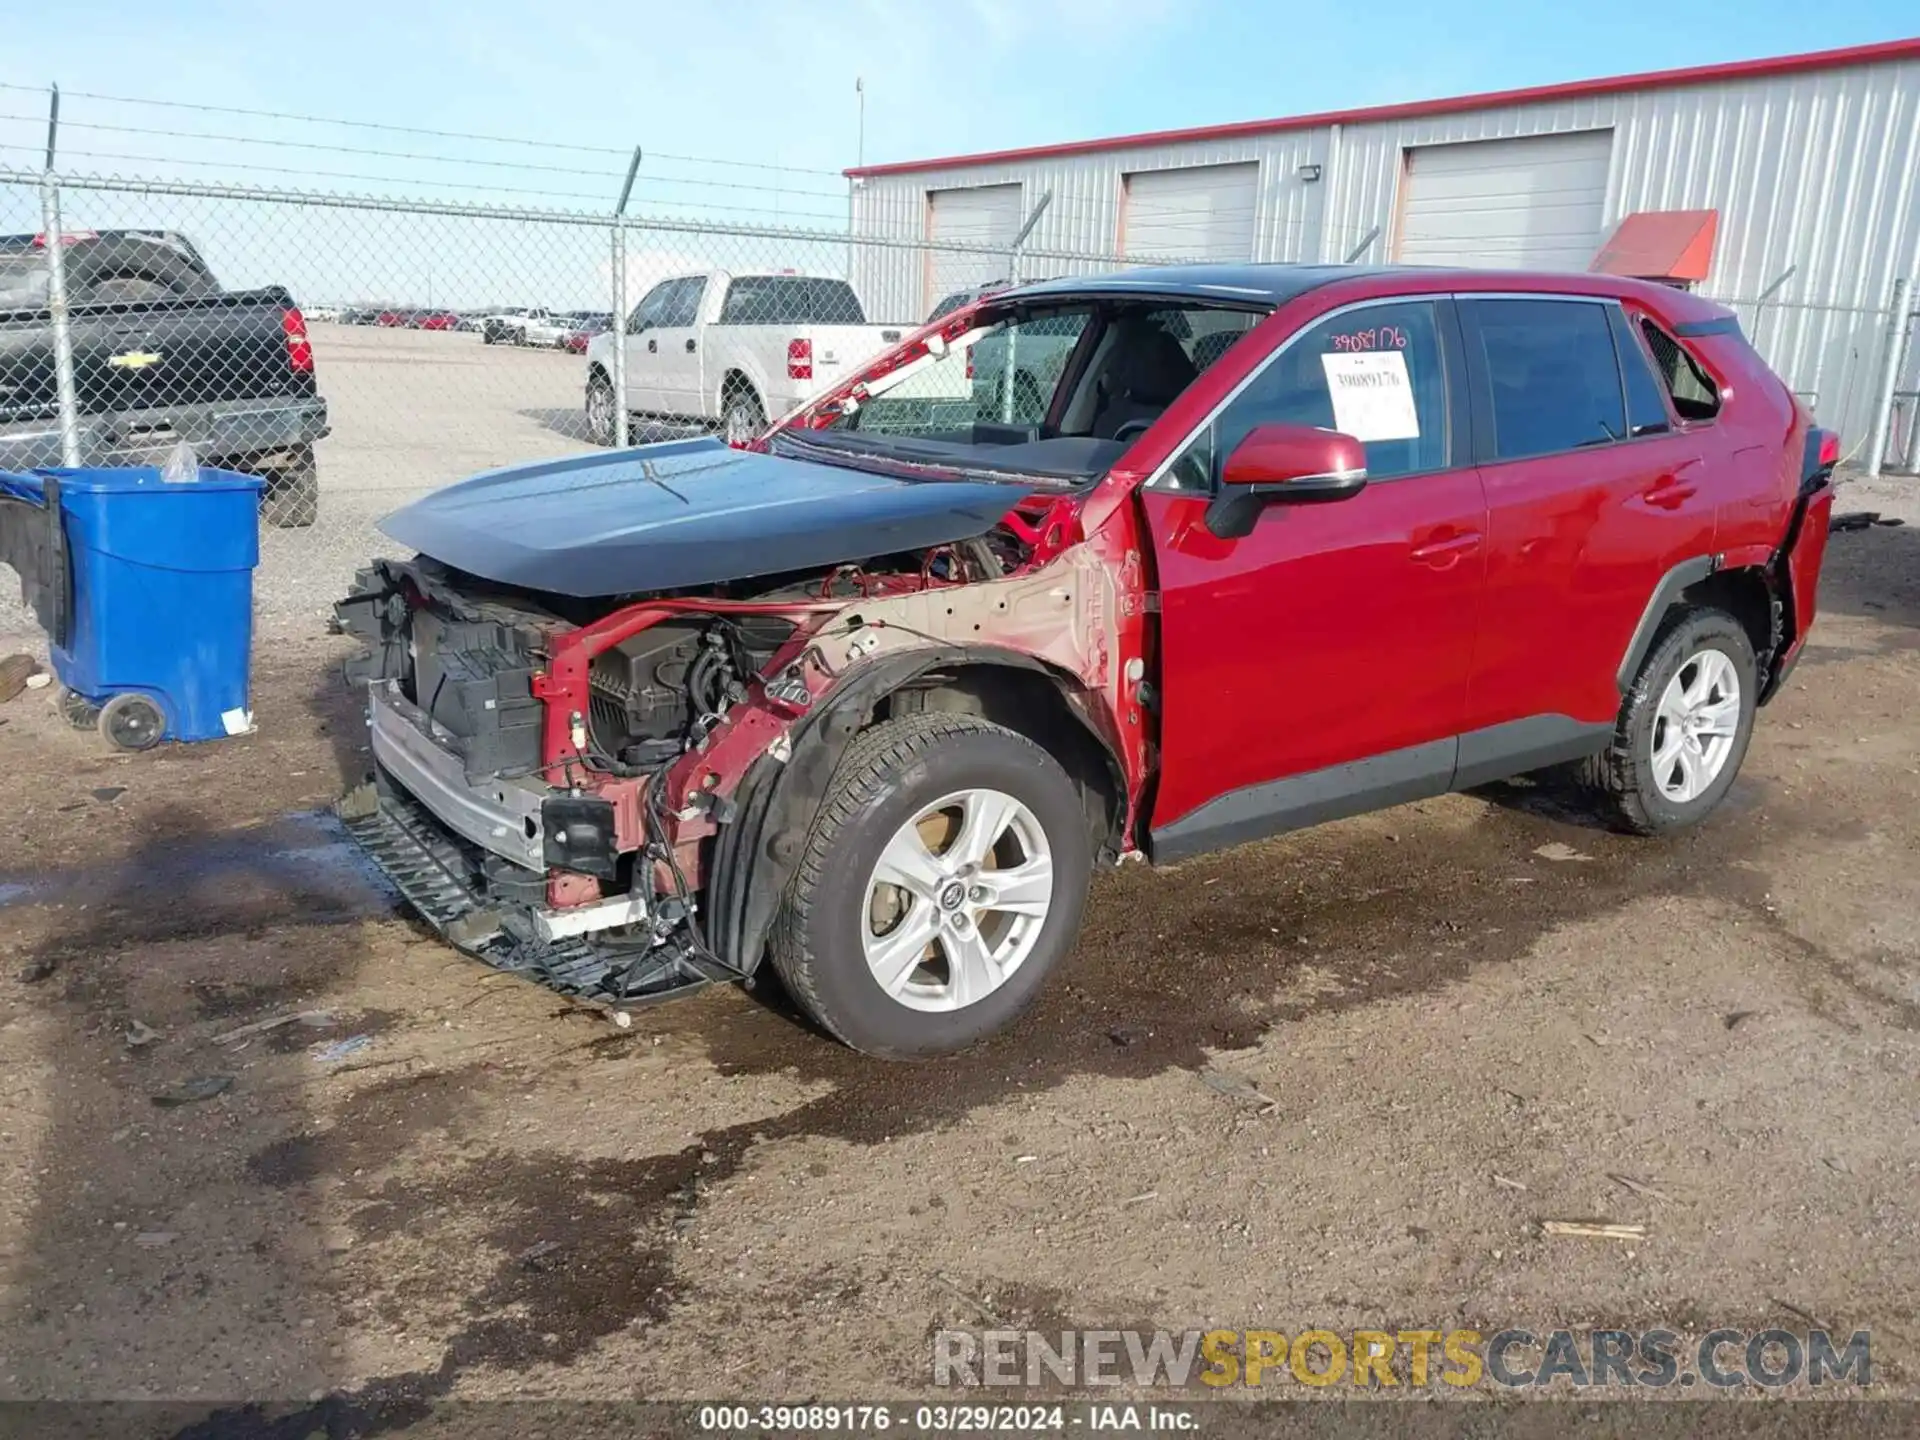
x: 1372, y: 397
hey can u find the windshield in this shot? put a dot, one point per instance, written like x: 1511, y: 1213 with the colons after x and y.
x: 1059, y: 389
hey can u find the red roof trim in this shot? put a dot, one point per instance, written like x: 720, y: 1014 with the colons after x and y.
x: 1885, y: 50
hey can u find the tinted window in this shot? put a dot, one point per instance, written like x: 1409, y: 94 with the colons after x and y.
x: 682, y: 304
x: 1695, y: 396
x: 790, y: 300
x: 1551, y: 370
x: 1375, y: 373
x: 1646, y: 396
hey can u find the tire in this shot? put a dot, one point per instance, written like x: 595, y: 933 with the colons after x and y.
x: 132, y: 722
x: 78, y: 711
x: 744, y: 418
x: 602, y: 417
x: 1645, y: 781
x: 838, y: 909
x: 291, y: 500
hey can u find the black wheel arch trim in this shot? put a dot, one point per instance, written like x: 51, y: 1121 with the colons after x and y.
x: 1665, y: 595
x: 755, y: 856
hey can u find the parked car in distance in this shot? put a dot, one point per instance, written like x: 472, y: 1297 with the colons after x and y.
x: 950, y: 303
x: 580, y: 335
x: 323, y: 314
x: 162, y: 353
x: 432, y: 320
x: 509, y: 327
x: 728, y: 351
x: 1282, y: 544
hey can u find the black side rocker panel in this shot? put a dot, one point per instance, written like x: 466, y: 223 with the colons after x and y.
x: 1417, y: 772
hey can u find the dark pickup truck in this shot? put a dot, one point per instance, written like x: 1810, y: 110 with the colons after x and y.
x: 161, y: 354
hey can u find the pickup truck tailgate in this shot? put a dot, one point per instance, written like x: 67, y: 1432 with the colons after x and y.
x: 152, y: 356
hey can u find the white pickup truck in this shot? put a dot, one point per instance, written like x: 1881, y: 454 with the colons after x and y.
x: 731, y: 351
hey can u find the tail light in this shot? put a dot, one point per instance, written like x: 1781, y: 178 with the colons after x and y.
x: 800, y: 359
x: 969, y: 364
x: 1829, y: 448
x: 299, y: 349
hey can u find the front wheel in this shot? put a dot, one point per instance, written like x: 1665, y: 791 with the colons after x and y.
x: 943, y: 879
x: 1683, y: 729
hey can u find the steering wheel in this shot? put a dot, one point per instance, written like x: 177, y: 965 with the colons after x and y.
x: 1132, y: 428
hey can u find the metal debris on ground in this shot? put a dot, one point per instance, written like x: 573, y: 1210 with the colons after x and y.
x: 190, y: 1092
x: 34, y: 971
x: 39, y: 680
x: 1730, y: 1021
x: 334, y: 1051
x: 534, y: 1257
x: 1237, y: 1087
x: 15, y: 671
x: 1560, y: 850
x: 314, y: 1019
x: 140, y: 1034
x: 1861, y: 520
x: 106, y: 794
x: 1502, y: 1180
x: 154, y: 1239
x: 1594, y: 1229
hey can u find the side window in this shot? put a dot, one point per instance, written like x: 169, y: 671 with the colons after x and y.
x: 682, y: 305
x: 1553, y: 378
x: 1646, y: 396
x: 1695, y: 396
x: 646, y: 315
x: 1375, y: 373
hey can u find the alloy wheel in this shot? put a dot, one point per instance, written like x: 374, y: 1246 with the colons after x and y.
x: 1695, y: 725
x: 957, y: 900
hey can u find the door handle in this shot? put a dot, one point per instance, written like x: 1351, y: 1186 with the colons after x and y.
x: 1444, y: 553
x: 689, y: 345
x: 653, y: 347
x: 1669, y: 493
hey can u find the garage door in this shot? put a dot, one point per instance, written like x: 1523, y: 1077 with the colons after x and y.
x: 1531, y: 204
x: 1201, y: 212
x: 986, y: 215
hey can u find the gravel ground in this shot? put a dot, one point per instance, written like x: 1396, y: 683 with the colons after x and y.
x: 491, y: 1192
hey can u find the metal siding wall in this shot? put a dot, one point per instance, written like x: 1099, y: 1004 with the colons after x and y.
x: 1817, y: 170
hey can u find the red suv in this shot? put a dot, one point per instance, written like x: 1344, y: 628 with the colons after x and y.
x: 1145, y: 564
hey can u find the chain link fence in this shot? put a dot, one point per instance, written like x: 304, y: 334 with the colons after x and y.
x: 360, y: 352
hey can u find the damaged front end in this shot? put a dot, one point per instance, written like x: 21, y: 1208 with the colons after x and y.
x: 603, y: 794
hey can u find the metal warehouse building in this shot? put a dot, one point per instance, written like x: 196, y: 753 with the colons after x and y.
x: 1793, y: 181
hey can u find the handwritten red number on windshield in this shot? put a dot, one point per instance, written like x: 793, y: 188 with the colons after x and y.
x: 1381, y: 337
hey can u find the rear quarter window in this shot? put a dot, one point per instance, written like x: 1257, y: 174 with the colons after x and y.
x: 1695, y: 396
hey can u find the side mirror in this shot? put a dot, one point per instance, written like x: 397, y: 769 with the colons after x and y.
x: 1284, y: 464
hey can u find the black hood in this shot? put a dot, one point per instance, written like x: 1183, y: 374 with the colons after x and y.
x: 688, y: 512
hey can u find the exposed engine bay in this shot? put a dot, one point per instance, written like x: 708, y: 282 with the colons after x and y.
x: 556, y: 777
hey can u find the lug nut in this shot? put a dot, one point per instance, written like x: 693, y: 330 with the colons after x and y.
x: 978, y: 894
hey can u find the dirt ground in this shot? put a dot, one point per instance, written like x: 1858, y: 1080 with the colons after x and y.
x: 490, y: 1192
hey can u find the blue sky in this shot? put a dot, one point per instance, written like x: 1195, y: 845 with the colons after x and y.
x: 712, y: 89
x: 751, y: 80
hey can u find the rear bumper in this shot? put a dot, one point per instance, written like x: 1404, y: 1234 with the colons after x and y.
x: 223, y: 432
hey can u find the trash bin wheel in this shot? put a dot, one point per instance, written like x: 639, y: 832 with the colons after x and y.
x: 132, y: 722
x: 78, y: 711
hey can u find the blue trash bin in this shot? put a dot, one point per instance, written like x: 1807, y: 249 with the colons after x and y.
x: 145, y: 588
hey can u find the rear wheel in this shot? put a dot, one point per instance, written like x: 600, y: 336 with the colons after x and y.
x: 744, y: 417
x: 602, y: 416
x: 1683, y: 729
x: 943, y: 879
x: 291, y: 500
